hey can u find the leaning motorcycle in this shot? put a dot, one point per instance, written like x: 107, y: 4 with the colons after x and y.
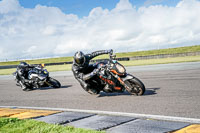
x: 113, y: 75
x: 38, y: 78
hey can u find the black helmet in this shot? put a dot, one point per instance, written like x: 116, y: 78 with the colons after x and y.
x: 23, y: 64
x: 79, y: 58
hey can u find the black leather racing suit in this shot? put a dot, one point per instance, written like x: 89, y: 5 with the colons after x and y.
x: 22, y: 74
x: 85, y: 71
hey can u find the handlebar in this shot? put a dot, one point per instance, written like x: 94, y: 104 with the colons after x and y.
x: 112, y: 56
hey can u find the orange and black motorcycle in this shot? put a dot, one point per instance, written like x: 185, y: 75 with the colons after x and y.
x: 112, y: 77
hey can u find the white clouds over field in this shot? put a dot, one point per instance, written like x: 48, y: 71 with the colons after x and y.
x: 47, y: 31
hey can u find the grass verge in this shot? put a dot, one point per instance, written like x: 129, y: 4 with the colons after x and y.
x: 125, y: 63
x: 161, y: 61
x: 14, y: 125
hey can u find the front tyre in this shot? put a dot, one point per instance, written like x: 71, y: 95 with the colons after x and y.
x: 137, y: 87
x: 54, y: 83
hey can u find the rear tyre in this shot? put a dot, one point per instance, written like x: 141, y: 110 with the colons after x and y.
x: 55, y: 83
x: 137, y: 87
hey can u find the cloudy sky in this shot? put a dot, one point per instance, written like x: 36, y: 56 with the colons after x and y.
x: 53, y: 28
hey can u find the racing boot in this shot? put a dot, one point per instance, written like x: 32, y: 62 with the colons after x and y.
x: 24, y: 88
x: 88, y: 88
x: 18, y: 84
x: 93, y: 91
x: 107, y: 88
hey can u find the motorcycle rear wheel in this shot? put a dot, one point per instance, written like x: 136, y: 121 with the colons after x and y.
x: 137, y: 87
x: 55, y: 83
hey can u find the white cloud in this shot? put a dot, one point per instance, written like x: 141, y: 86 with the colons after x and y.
x: 47, y: 31
x: 8, y: 6
x: 123, y: 5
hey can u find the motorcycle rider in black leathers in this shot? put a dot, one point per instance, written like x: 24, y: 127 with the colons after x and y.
x: 84, y: 71
x: 22, y: 74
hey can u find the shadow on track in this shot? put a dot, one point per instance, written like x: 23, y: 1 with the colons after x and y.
x: 149, y: 91
x: 103, y: 94
x: 49, y: 88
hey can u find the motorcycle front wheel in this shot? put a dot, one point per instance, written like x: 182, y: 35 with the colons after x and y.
x: 137, y: 87
x: 55, y: 83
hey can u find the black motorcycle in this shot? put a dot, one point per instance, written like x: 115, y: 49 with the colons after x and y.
x: 37, y: 78
x: 112, y: 77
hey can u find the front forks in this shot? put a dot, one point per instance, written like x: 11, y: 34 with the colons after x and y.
x: 121, y: 82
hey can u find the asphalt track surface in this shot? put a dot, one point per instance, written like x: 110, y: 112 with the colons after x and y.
x: 171, y: 90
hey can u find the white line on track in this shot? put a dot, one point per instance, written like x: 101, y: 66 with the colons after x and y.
x: 143, y: 116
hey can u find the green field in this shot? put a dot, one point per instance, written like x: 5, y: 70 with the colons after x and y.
x: 127, y: 54
x: 39, y: 61
x: 14, y: 125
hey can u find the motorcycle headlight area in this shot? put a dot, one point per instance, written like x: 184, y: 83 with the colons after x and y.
x: 120, y: 68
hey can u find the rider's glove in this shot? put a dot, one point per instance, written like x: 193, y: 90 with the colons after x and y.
x: 90, y: 75
x: 95, y: 71
x: 110, y: 51
x: 80, y: 76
